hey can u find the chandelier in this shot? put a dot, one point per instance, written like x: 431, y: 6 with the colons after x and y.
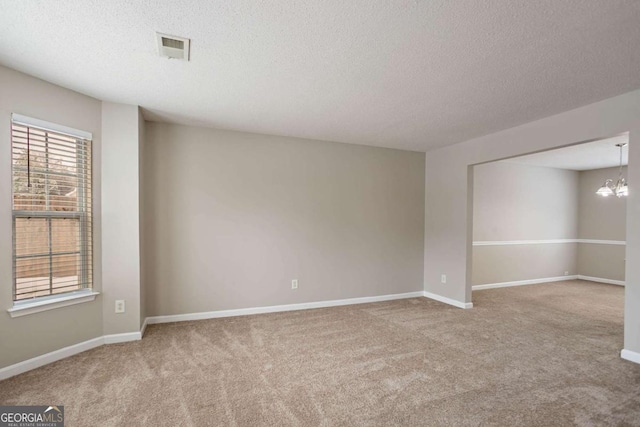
x: 620, y: 189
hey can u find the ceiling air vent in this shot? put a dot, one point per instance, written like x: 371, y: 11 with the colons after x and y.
x: 173, y: 47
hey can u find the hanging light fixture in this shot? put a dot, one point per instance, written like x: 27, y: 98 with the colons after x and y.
x: 620, y: 189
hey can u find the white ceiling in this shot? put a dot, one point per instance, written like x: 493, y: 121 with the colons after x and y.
x: 406, y: 74
x: 591, y: 155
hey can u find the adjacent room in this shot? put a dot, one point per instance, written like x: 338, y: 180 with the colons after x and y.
x: 552, y: 216
x: 320, y: 213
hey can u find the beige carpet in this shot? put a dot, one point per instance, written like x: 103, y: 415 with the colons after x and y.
x: 530, y: 355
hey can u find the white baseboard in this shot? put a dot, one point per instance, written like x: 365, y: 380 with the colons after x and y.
x: 276, y: 308
x: 51, y: 357
x: 54, y: 356
x: 546, y: 242
x: 126, y: 337
x: 144, y: 327
x: 523, y: 282
x: 631, y: 356
x: 521, y: 242
x: 603, y: 242
x: 449, y: 301
x: 601, y: 280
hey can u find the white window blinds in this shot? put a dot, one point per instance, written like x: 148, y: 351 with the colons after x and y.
x: 52, y: 232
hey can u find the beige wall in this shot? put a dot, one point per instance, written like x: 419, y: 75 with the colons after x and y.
x: 520, y: 202
x: 512, y: 263
x: 25, y: 337
x: 601, y: 218
x: 234, y: 217
x: 120, y: 217
x: 601, y: 261
x: 513, y: 202
x: 449, y: 202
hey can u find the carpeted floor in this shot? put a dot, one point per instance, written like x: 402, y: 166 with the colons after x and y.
x: 530, y: 355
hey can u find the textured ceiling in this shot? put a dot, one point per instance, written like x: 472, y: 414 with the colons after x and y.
x: 404, y: 74
x: 591, y: 155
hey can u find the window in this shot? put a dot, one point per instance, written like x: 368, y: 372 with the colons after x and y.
x: 52, y: 233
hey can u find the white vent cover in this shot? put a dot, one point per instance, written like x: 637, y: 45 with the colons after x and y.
x: 173, y: 47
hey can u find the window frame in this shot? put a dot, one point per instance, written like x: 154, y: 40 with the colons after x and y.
x: 82, y: 212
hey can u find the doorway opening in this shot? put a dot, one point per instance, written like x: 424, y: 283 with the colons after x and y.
x: 537, y: 218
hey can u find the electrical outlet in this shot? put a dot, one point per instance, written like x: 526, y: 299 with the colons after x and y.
x: 566, y: 273
x: 119, y: 306
x: 443, y: 278
x: 294, y: 284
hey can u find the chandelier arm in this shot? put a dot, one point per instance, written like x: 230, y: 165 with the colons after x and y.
x: 609, y: 184
x: 620, y: 174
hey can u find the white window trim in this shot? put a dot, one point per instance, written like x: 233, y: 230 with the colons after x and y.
x: 50, y: 302
x: 26, y: 307
x: 42, y: 124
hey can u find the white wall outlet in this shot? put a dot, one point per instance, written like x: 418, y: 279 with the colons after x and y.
x: 119, y: 306
x: 294, y: 284
x: 443, y: 278
x: 566, y: 273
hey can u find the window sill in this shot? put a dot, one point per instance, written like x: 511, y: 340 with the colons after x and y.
x: 25, y: 308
